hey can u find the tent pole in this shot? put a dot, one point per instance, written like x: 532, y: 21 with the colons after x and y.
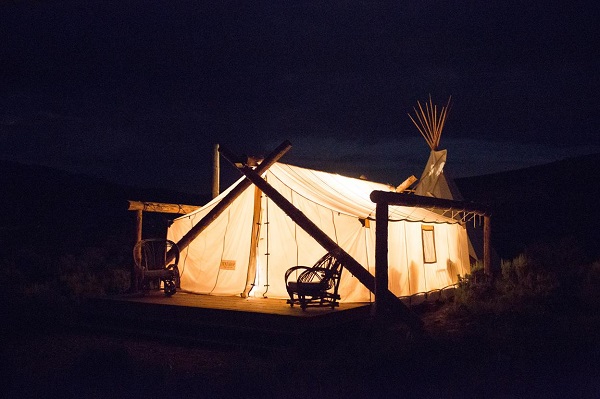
x: 228, y: 199
x: 251, y: 275
x: 216, y: 172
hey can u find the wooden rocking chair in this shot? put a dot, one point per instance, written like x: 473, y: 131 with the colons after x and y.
x: 151, y: 267
x: 316, y: 285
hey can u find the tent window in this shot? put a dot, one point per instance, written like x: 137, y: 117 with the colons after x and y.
x: 428, y: 237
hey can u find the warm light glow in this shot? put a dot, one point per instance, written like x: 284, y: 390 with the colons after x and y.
x: 341, y: 208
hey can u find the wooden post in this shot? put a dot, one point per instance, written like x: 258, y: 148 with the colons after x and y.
x: 381, y: 256
x: 427, y: 202
x: 487, y: 245
x: 216, y: 179
x: 253, y: 243
x: 139, y: 214
x: 362, y: 274
x: 138, y: 254
x: 228, y: 199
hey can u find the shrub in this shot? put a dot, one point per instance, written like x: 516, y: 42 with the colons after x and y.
x: 116, y: 281
x: 473, y: 287
x: 522, y: 283
x: 93, y: 270
x: 563, y: 260
x: 523, y: 278
x: 81, y: 271
x: 80, y: 283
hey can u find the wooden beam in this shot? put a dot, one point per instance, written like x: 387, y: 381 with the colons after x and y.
x: 161, y: 207
x: 427, y: 202
x: 406, y: 184
x: 228, y: 199
x: 362, y: 274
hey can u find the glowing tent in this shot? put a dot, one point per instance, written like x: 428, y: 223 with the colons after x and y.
x: 247, y: 248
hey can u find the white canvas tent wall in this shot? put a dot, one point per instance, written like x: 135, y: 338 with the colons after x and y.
x: 216, y: 262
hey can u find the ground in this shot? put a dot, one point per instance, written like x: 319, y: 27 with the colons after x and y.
x: 551, y: 354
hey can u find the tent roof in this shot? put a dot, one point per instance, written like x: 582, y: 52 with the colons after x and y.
x: 341, y: 194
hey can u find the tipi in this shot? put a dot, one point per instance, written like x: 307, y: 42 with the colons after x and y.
x: 436, y: 180
x: 248, y: 247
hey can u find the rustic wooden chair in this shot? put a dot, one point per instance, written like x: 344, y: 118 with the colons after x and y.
x: 316, y: 285
x: 151, y: 267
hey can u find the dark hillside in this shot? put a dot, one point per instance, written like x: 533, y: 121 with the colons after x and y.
x: 547, y: 204
x: 47, y: 213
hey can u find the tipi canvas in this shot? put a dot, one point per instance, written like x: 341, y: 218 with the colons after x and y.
x: 435, y: 181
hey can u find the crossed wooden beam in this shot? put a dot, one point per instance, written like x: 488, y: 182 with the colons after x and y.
x: 253, y: 176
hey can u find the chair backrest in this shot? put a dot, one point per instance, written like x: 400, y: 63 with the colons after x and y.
x: 329, y: 268
x: 151, y: 254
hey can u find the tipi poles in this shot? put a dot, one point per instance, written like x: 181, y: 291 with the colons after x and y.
x: 429, y: 123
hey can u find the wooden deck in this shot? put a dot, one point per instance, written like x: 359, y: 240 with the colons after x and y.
x: 234, y: 304
x: 217, y: 318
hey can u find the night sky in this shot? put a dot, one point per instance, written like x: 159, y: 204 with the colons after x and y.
x: 138, y: 92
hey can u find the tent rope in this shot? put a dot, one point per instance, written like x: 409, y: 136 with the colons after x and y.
x: 267, y: 254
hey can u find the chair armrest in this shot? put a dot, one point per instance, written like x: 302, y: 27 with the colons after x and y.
x: 172, y: 266
x: 293, y: 269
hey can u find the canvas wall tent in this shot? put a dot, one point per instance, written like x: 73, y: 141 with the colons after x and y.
x: 427, y: 250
